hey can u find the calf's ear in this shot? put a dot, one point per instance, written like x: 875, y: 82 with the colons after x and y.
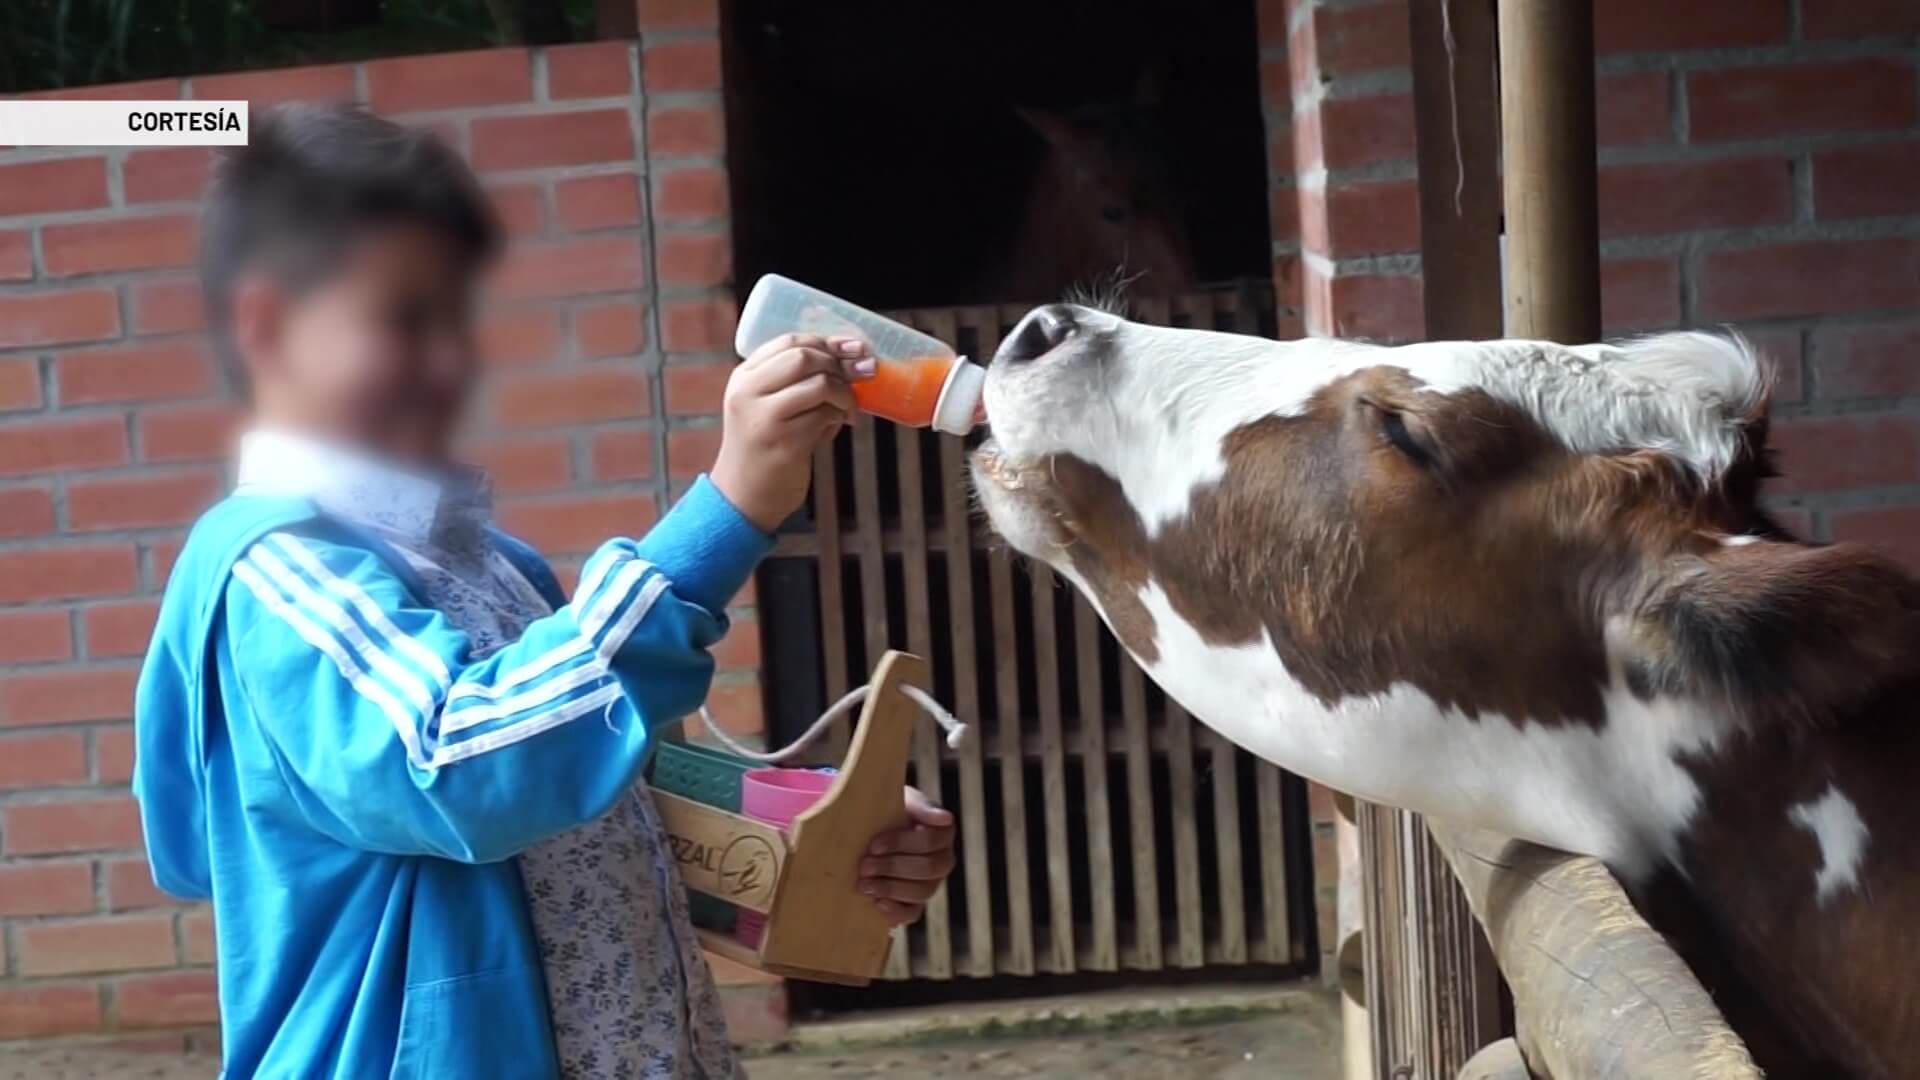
x: 1798, y: 634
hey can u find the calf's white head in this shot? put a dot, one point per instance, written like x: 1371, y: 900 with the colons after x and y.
x: 1515, y: 583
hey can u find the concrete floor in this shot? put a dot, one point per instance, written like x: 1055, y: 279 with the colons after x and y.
x: 1139, y: 1035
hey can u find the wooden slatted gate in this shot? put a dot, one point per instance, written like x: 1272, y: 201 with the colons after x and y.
x: 1101, y: 828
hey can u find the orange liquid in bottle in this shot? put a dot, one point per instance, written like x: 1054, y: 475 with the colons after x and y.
x: 904, y: 391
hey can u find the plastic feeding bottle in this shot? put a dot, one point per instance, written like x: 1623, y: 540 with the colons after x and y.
x: 918, y: 380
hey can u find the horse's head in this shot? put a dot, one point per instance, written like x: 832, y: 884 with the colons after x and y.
x: 1346, y: 555
x: 1103, y: 198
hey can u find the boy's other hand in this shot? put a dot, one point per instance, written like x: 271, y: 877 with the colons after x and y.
x: 904, y: 868
x: 784, y: 402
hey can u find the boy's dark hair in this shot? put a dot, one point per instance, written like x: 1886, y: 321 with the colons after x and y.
x: 310, y: 179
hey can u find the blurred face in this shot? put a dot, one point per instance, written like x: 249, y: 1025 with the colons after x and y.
x: 378, y: 353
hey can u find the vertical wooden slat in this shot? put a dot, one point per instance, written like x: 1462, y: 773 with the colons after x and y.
x: 1053, y: 775
x: 1103, y: 952
x: 1013, y: 786
x: 1192, y: 949
x: 956, y: 515
x: 938, y: 962
x: 833, y: 627
x: 1276, y: 945
x: 1146, y: 876
x: 868, y: 554
x: 1226, y: 828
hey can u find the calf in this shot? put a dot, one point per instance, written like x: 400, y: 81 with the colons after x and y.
x: 1517, y: 585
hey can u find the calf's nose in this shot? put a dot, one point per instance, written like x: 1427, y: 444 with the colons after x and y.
x: 1038, y: 333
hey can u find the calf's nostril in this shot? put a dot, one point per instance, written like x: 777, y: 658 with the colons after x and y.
x: 1038, y: 333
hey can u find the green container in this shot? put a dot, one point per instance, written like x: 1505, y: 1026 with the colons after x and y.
x: 706, y: 776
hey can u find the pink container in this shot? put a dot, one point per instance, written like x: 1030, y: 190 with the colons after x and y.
x: 775, y: 797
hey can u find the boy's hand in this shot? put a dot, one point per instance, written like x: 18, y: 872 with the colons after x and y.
x: 784, y: 402
x: 904, y: 868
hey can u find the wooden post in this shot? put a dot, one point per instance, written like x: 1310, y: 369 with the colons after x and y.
x: 1547, y: 143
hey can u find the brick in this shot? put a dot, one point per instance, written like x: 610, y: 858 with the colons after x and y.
x: 51, y: 828
x: 166, y: 174
x: 578, y: 524
x: 1683, y: 196
x: 1867, y: 361
x: 1367, y: 130
x: 134, y: 243
x: 122, y: 628
x: 326, y: 82
x: 56, y: 318
x: 691, y: 195
x: 522, y: 208
x: 182, y: 999
x: 1854, y: 181
x: 1658, y: 26
x: 134, y: 373
x: 1639, y: 293
x: 621, y: 455
x: 188, y: 433
x: 687, y: 131
x: 697, y: 325
x: 33, y: 697
x: 141, y: 502
x: 198, y: 938
x: 521, y: 336
x: 1350, y: 39
x: 1894, y: 530
x: 57, y: 573
x: 44, y: 888
x: 1781, y: 351
x: 698, y: 259
x: 164, y: 553
x: 63, y: 445
x: 46, y: 187
x: 25, y: 511
x: 113, y: 755
x: 1373, y: 218
x: 574, y: 397
x: 586, y: 265
x: 597, y: 202
x: 449, y: 80
x: 593, y: 69
x: 739, y: 707
x: 1836, y: 453
x: 39, y: 760
x: 16, y: 255
x: 615, y: 328
x: 20, y: 384
x: 1816, y: 278
x: 1859, y: 18
x: 1382, y: 307
x: 1634, y: 109
x: 520, y: 466
x: 658, y: 15
x: 696, y: 389
x: 130, y: 886
x: 145, y: 90
x: 690, y: 451
x: 34, y: 635
x: 40, y: 1011
x: 1866, y: 94
x: 552, y: 139
x: 681, y: 66
x: 167, y: 306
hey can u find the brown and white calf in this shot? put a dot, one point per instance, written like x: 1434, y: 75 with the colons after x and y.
x: 1520, y: 586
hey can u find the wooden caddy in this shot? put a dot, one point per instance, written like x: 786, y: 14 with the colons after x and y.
x: 818, y: 927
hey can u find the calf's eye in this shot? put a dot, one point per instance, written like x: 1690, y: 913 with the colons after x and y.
x: 1394, y: 426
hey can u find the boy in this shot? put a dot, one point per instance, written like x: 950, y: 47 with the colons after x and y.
x: 372, y: 729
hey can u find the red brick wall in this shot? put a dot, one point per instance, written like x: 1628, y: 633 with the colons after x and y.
x: 611, y: 334
x: 1759, y: 167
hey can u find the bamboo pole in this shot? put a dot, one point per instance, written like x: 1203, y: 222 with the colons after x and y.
x: 1547, y: 149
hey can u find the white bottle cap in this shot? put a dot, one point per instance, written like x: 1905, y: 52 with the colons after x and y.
x: 958, y: 407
